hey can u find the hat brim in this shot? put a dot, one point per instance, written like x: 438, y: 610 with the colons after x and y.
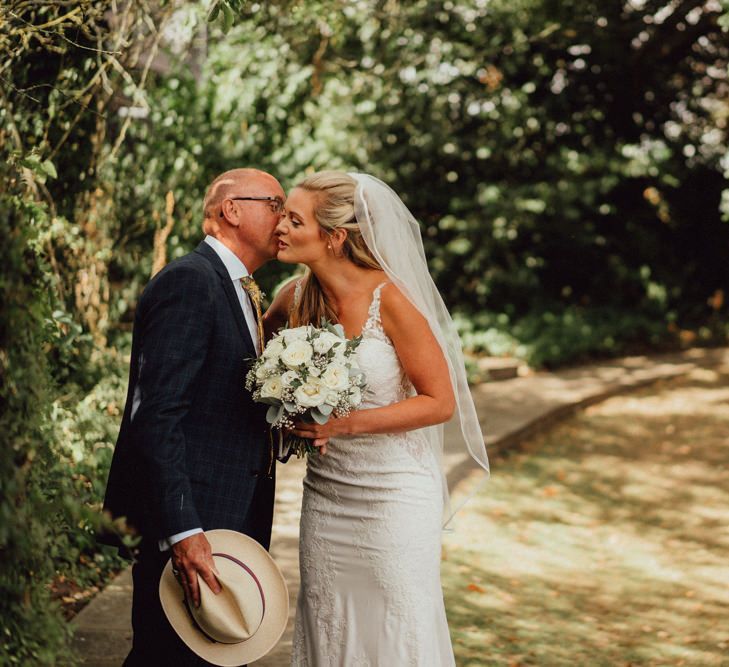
x: 272, y: 582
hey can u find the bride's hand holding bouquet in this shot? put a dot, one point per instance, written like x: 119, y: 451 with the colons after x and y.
x: 308, y: 376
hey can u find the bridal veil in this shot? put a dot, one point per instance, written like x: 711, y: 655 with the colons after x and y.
x: 393, y: 236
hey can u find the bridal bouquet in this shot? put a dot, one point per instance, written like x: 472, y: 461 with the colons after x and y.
x: 307, y: 373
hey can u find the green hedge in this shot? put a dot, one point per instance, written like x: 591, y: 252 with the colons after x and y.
x: 33, y: 630
x: 56, y: 449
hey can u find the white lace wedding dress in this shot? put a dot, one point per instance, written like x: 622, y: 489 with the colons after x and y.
x: 370, y: 542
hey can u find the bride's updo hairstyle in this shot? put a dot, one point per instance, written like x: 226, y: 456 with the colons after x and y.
x: 333, y: 209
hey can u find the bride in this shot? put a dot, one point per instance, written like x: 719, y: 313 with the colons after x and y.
x: 374, y: 504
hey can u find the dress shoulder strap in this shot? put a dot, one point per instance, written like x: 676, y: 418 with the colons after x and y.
x: 297, y: 293
x: 373, y: 314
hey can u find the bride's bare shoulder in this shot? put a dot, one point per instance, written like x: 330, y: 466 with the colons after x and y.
x: 278, y: 311
x: 394, y: 305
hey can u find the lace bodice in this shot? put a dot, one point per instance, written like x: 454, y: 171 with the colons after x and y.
x: 387, y: 382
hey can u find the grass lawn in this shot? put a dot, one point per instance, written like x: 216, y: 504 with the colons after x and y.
x: 604, y: 541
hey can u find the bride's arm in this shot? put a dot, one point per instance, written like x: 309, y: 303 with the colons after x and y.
x: 423, y: 362
x: 278, y: 312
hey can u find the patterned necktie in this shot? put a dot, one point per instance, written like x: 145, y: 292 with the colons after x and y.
x: 256, y: 296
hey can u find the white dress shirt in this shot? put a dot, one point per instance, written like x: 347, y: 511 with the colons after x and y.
x: 236, y: 270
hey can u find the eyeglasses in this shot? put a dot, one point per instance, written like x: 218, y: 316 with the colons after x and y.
x: 276, y: 204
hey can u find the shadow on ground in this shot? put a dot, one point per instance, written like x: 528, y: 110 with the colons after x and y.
x: 603, y: 542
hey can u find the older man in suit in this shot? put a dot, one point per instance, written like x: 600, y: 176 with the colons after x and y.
x: 194, y: 452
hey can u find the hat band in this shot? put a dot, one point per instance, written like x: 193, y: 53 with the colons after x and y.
x: 255, y: 578
x: 247, y: 569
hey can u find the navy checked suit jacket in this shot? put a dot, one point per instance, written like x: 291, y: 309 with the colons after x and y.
x: 192, y: 453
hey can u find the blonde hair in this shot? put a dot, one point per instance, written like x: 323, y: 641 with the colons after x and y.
x: 333, y: 209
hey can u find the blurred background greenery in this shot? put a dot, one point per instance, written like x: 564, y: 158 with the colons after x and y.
x: 567, y: 159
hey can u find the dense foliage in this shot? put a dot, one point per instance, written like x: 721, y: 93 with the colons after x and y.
x: 568, y: 161
x: 61, y: 384
x: 570, y: 209
x: 26, y: 508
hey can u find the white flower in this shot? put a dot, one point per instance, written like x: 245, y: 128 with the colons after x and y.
x: 313, y: 371
x: 324, y: 342
x: 272, y: 388
x: 355, y: 396
x: 297, y: 353
x: 332, y: 398
x: 274, y: 349
x: 298, y: 333
x: 287, y: 379
x: 266, y: 368
x: 336, y: 377
x: 310, y: 394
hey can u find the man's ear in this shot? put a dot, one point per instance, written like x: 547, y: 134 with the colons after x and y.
x: 229, y: 212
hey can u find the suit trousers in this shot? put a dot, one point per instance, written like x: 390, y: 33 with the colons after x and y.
x: 155, y: 643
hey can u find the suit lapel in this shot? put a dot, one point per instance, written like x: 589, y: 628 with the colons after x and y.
x: 208, y: 253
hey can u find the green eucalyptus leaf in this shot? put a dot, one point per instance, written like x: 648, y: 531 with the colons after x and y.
x: 326, y: 409
x: 319, y: 417
x: 269, y: 400
x: 274, y: 413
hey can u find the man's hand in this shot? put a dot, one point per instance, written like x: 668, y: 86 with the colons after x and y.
x: 192, y: 557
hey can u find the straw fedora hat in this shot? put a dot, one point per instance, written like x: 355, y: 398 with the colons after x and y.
x: 246, y: 619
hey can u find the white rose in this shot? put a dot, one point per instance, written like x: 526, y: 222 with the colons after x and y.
x: 274, y: 349
x: 272, y: 388
x: 313, y: 371
x: 355, y: 396
x: 266, y: 368
x: 324, y: 342
x: 332, y: 398
x: 297, y: 353
x: 287, y: 379
x: 310, y: 394
x: 336, y: 377
x: 298, y: 333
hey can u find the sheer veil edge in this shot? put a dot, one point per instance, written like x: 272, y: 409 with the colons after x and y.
x: 393, y: 236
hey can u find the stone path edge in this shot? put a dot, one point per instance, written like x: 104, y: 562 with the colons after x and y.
x: 543, y: 422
